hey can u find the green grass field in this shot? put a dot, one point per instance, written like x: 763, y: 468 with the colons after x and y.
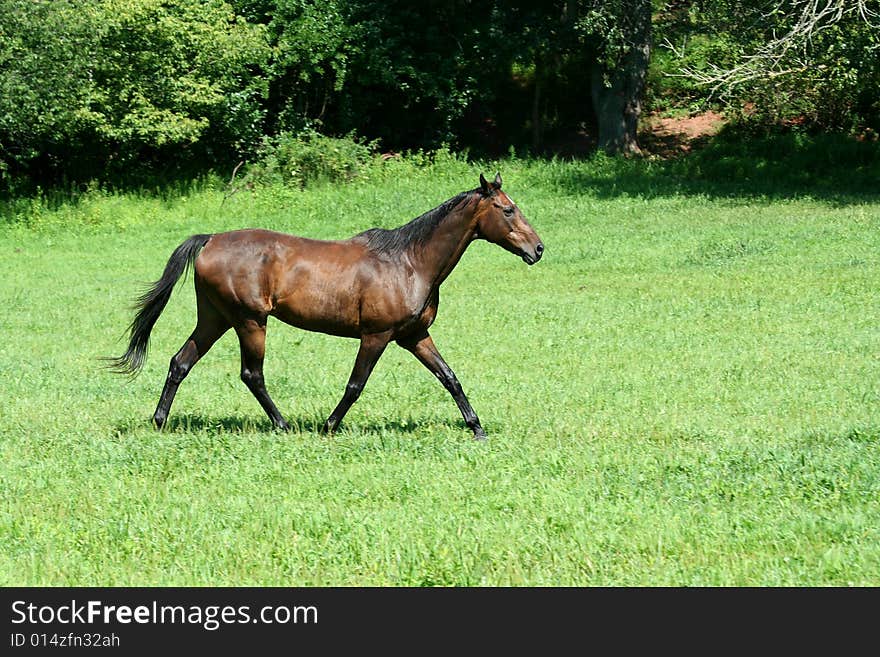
x: 684, y: 391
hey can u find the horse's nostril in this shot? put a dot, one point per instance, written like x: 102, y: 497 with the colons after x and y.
x: 539, y: 249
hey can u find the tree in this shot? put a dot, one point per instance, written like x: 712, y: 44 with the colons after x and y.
x: 417, y: 68
x: 311, y: 44
x: 565, y: 46
x: 609, y: 45
x: 618, y: 33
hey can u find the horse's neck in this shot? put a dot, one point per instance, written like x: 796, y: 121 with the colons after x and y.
x: 440, y: 254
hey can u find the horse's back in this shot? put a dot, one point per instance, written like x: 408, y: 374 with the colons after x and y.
x: 264, y: 252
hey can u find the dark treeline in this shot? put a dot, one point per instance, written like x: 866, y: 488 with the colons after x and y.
x: 102, y: 89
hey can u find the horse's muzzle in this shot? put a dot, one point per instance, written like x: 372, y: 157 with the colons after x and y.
x: 532, y: 258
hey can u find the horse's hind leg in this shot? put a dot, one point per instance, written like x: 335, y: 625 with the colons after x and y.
x: 252, y: 339
x: 209, y: 327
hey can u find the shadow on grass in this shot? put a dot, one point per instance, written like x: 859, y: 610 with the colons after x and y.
x: 734, y: 164
x: 216, y: 425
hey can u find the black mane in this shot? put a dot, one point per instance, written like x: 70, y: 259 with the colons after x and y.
x: 417, y: 231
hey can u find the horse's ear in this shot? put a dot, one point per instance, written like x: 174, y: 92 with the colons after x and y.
x: 484, y: 185
x: 497, y: 183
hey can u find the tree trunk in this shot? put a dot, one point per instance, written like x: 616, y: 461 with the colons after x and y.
x: 617, y: 92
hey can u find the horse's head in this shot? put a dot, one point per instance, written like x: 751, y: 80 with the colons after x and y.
x: 500, y: 221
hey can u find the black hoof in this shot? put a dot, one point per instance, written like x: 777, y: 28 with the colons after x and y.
x: 479, y: 434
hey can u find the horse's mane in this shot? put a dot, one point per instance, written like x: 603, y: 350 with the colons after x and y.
x: 417, y: 231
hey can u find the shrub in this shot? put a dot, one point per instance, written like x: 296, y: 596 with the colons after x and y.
x: 309, y: 157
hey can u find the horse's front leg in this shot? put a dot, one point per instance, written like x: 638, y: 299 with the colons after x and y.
x: 370, y: 350
x: 422, y: 347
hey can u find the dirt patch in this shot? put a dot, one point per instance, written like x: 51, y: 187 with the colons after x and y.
x: 668, y: 137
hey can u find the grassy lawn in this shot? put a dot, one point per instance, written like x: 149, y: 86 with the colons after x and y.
x: 684, y: 391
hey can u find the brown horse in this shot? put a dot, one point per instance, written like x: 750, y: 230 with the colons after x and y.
x: 378, y: 286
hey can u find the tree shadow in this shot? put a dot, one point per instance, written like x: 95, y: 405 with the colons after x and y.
x: 737, y: 165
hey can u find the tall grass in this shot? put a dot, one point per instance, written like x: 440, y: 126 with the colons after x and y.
x: 684, y: 391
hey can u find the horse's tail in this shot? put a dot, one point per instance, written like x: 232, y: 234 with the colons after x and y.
x: 151, y: 304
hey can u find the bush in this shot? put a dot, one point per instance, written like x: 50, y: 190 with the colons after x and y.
x: 309, y: 157
x: 105, y: 89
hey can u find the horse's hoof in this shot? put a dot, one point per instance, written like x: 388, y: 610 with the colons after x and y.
x: 480, y: 435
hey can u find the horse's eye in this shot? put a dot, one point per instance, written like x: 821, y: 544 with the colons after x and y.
x: 508, y: 212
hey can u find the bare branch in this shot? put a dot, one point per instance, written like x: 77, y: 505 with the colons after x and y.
x: 806, y: 19
x: 230, y: 190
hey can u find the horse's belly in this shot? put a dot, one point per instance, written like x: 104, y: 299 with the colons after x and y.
x: 334, y: 289
x: 320, y: 304
x: 324, y: 322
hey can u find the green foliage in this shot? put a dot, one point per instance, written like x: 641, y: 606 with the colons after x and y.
x: 309, y: 157
x: 417, y: 67
x: 87, y: 83
x: 611, y: 29
x: 44, y: 73
x: 127, y: 92
x: 310, y: 39
x: 311, y: 44
x: 167, y: 72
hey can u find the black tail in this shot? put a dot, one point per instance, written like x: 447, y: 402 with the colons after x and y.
x: 151, y: 304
